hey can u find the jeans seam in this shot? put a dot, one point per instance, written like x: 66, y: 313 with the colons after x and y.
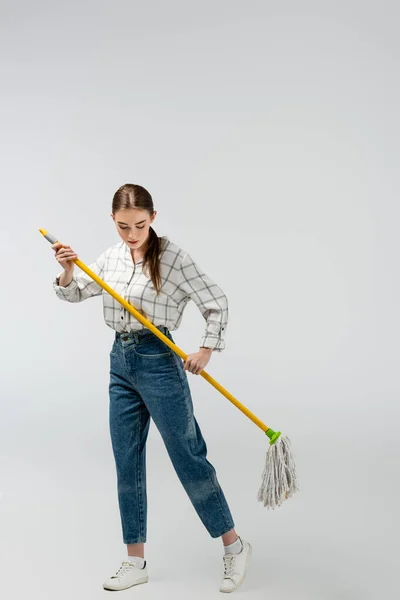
x: 137, y: 540
x: 214, y: 488
x: 184, y: 392
x: 217, y: 494
x: 164, y: 355
x: 139, y: 474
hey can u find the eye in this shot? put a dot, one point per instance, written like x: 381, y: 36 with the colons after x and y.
x: 122, y: 227
x: 142, y: 227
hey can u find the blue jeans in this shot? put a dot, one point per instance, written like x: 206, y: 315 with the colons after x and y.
x: 147, y: 379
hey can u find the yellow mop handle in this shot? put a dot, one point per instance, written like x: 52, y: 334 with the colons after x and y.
x: 159, y: 334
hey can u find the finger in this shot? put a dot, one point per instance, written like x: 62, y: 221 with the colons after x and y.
x: 64, y: 249
x: 67, y: 259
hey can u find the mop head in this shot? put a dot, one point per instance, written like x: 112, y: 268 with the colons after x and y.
x: 279, y: 480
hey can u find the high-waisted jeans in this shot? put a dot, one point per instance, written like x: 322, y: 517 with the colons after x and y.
x: 147, y: 379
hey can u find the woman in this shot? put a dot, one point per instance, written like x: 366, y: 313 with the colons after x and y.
x: 147, y: 378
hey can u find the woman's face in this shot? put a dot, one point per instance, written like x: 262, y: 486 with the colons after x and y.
x: 133, y: 226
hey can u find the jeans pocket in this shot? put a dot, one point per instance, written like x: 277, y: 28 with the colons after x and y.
x: 152, y: 348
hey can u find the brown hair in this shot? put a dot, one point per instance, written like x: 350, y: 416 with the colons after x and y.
x: 131, y: 195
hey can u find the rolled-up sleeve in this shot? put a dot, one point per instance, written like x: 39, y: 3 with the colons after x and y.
x: 210, y: 299
x: 82, y: 285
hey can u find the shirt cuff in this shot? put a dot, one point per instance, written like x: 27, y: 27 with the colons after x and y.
x: 64, y: 292
x: 217, y: 344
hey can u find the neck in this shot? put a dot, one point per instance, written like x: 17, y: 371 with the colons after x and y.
x: 138, y: 254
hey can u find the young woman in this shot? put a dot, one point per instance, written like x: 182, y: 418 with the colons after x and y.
x: 147, y: 378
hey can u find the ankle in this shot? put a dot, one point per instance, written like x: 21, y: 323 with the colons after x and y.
x: 135, y: 550
x: 230, y: 537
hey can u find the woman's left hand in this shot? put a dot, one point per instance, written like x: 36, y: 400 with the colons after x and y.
x: 195, y: 363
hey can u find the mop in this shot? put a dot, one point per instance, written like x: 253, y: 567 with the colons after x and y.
x: 279, y: 480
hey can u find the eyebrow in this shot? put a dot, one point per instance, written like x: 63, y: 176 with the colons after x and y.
x: 138, y: 223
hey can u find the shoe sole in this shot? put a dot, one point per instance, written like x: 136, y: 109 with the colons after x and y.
x: 248, y: 557
x: 126, y: 587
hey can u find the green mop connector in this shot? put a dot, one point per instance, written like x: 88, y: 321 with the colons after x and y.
x: 273, y: 435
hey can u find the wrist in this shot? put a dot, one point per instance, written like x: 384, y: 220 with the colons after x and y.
x: 205, y: 350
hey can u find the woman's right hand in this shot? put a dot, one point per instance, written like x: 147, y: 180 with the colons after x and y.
x: 65, y: 256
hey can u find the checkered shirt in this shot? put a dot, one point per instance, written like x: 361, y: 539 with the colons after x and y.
x: 181, y: 278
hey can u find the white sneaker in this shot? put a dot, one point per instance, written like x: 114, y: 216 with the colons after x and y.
x: 235, y: 568
x: 127, y: 575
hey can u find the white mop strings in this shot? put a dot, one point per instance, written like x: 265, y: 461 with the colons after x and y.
x: 279, y: 480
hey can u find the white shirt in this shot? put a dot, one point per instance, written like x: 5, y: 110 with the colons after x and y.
x: 182, y: 280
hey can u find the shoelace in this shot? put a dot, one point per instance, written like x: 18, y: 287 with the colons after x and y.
x: 229, y: 565
x: 126, y: 565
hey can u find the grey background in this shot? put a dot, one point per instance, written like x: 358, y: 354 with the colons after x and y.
x: 267, y: 134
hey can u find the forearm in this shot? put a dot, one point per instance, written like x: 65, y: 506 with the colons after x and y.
x: 66, y: 278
